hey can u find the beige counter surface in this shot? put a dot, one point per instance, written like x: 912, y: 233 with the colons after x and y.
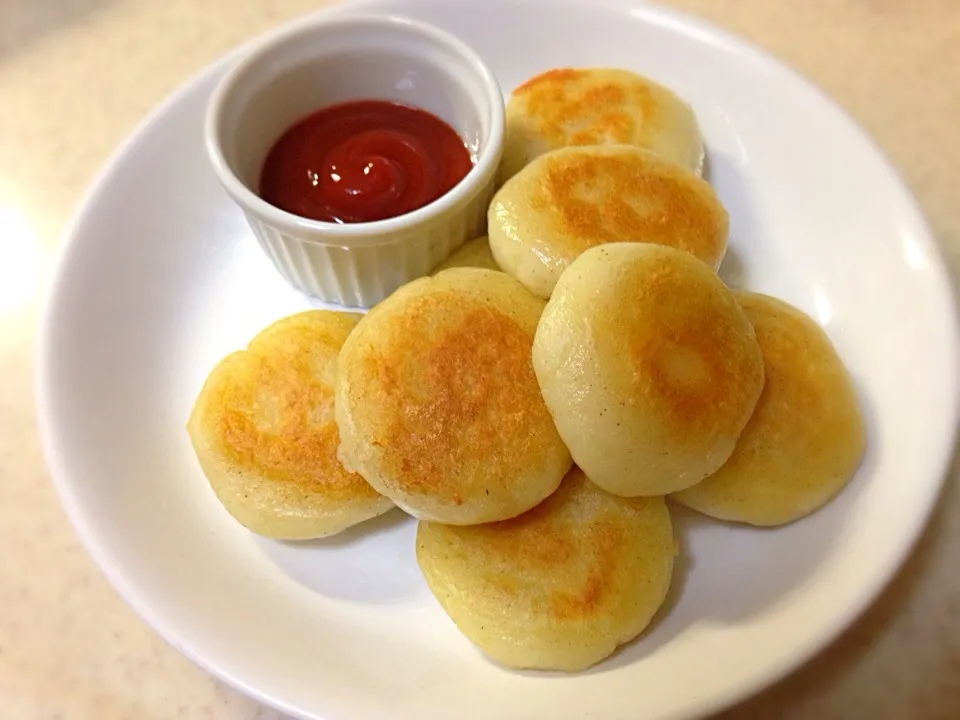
x: 76, y: 75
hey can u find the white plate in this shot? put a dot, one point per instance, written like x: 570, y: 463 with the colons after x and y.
x: 160, y: 278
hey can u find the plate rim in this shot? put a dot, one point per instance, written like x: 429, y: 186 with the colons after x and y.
x: 151, y: 614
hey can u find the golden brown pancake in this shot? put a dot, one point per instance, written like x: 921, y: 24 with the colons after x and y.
x: 437, y: 403
x: 649, y: 367
x: 475, y: 253
x: 596, y: 106
x: 559, y: 587
x: 806, y: 437
x: 264, y: 432
x: 570, y: 200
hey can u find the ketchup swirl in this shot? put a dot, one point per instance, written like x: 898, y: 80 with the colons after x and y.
x: 363, y: 161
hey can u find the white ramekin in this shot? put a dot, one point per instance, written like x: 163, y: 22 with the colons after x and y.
x: 327, y: 59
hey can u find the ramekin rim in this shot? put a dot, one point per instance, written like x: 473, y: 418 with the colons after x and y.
x: 472, y: 183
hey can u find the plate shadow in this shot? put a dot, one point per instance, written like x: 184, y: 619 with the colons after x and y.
x: 373, y: 562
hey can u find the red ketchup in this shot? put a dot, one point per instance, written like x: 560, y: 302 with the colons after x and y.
x: 363, y: 161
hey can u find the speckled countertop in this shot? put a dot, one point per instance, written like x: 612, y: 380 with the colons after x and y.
x: 76, y: 75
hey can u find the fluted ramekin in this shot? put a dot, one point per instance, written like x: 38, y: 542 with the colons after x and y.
x: 327, y: 59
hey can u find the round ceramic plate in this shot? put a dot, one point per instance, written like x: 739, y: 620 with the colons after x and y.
x: 160, y: 278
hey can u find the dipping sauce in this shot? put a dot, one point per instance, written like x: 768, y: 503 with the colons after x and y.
x: 363, y: 161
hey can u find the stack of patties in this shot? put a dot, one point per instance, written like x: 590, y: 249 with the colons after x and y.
x: 534, y: 400
x: 663, y: 381
x: 440, y: 410
x: 660, y: 380
x: 806, y: 436
x: 652, y: 369
x: 594, y: 156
